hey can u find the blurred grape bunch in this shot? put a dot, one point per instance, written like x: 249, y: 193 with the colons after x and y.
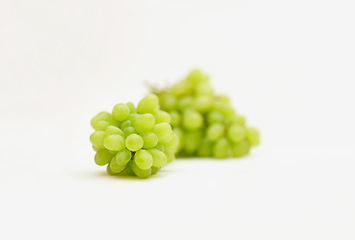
x: 206, y: 124
x: 134, y: 141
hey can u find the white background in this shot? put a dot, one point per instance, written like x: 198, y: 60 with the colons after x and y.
x: 287, y: 65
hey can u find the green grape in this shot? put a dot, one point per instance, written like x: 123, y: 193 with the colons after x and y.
x: 236, y: 133
x: 159, y: 158
x: 175, y: 118
x: 134, y: 142
x: 95, y: 148
x: 148, y: 104
x: 205, y: 150
x: 133, y: 118
x: 225, y: 99
x: 97, y: 138
x: 181, y: 89
x: 159, y: 147
x: 144, y: 123
x: 140, y: 172
x: 252, y: 136
x: 154, y: 170
x: 105, y: 116
x: 128, y: 131
x: 123, y: 156
x: 180, y: 136
x: 168, y: 138
x: 150, y: 140
x: 101, y: 125
x: 126, y: 124
x: 240, y: 120
x: 115, y: 168
x: 192, y: 141
x: 109, y: 171
x: 114, y: 142
x: 192, y: 120
x: 215, y: 117
x: 167, y: 101
x: 161, y: 117
x: 162, y: 130
x: 132, y: 108
x: 185, y: 103
x: 143, y: 159
x: 196, y: 76
x: 240, y: 149
x: 170, y: 155
x: 203, y: 103
x: 112, y: 130
x: 102, y: 157
x: 215, y: 132
x: 129, y: 170
x: 221, y: 148
x: 120, y: 112
x: 204, y: 89
x: 173, y: 143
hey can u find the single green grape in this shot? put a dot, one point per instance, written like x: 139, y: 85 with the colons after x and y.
x: 133, y: 118
x: 185, y: 103
x: 148, y: 104
x: 215, y: 132
x: 175, y: 118
x: 196, y: 77
x: 159, y: 158
x: 236, y: 133
x: 129, y: 170
x: 110, y: 172
x: 203, y: 103
x: 123, y: 156
x: 167, y: 101
x: 115, y: 168
x: 132, y: 108
x: 192, y: 120
x: 102, y: 157
x: 252, y: 136
x: 162, y: 130
x: 221, y: 148
x: 240, y: 149
x: 204, y: 89
x: 126, y: 124
x: 101, y: 125
x: 173, y: 143
x: 150, y: 140
x: 114, y: 142
x: 97, y: 138
x: 144, y: 123
x: 215, y: 117
x: 141, y: 173
x: 120, y: 112
x: 170, y: 155
x: 143, y: 159
x: 112, y: 130
x: 134, y: 142
x: 192, y: 141
x: 161, y: 117
x: 105, y: 116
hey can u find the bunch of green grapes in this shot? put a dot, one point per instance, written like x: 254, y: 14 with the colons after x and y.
x: 206, y: 124
x: 134, y: 141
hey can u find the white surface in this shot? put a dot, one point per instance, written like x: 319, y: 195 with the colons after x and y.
x: 287, y: 65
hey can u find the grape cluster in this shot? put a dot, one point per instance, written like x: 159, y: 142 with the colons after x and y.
x: 206, y: 124
x: 134, y: 141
